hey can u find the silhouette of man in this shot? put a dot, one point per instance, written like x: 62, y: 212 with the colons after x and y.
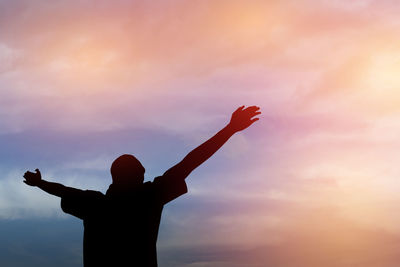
x: 121, y: 227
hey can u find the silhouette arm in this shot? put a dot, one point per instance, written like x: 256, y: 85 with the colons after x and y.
x: 240, y: 120
x: 56, y: 189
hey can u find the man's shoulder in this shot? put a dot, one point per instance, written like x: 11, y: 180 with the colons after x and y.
x: 155, y: 180
x: 85, y: 194
x: 148, y: 186
x: 94, y: 194
x: 168, y: 188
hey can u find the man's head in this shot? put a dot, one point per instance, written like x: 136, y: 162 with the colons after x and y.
x: 127, y: 169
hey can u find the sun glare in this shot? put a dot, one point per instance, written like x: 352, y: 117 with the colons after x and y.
x: 382, y: 77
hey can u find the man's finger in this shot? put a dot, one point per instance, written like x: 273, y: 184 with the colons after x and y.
x: 239, y: 108
x: 252, y: 109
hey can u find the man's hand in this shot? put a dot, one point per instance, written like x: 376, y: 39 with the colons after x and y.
x: 33, y: 179
x: 243, y: 118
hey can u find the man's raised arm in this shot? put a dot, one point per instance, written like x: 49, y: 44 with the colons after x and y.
x: 240, y: 120
x: 35, y: 179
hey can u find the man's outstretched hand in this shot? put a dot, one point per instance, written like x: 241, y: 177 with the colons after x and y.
x: 243, y: 118
x: 33, y: 178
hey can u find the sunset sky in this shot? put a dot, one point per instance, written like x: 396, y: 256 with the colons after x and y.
x: 315, y: 182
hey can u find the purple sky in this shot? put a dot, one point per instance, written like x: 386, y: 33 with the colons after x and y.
x: 313, y: 183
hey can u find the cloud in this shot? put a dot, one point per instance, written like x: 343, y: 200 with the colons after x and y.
x: 312, y: 237
x: 83, y: 82
x: 20, y: 201
x: 8, y: 58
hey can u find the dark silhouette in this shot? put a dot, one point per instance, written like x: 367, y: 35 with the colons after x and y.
x: 121, y: 227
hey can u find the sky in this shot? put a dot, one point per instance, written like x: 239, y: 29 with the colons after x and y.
x: 313, y: 183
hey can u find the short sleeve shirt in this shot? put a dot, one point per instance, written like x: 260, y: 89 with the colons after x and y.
x: 121, y: 227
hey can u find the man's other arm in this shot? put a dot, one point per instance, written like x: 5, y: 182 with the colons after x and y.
x: 56, y: 189
x: 241, y: 119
